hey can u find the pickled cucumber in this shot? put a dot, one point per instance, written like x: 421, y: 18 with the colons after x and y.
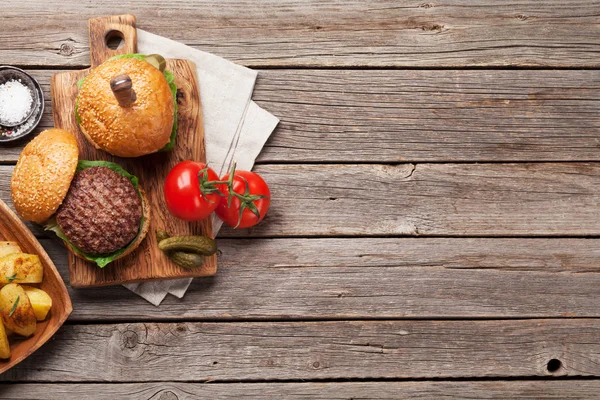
x: 162, y: 235
x: 190, y: 244
x: 157, y: 61
x: 186, y: 260
x: 189, y: 255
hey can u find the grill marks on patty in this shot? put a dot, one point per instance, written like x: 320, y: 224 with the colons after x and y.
x: 101, y: 212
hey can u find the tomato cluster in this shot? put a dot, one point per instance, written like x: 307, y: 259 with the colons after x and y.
x: 193, y: 191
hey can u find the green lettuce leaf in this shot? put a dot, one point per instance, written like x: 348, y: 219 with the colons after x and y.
x: 77, y: 117
x: 137, y: 56
x: 104, y: 259
x: 170, y: 80
x: 85, y: 164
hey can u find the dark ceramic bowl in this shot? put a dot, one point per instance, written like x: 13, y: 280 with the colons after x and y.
x: 8, y: 134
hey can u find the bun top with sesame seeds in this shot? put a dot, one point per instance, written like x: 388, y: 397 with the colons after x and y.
x: 140, y: 128
x: 43, y: 174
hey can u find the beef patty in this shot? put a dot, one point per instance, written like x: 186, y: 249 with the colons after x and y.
x: 101, y: 212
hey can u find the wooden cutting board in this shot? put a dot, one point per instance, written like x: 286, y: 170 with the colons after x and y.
x: 147, y: 262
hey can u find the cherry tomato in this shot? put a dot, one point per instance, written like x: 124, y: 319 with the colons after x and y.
x: 191, y: 190
x: 249, y: 203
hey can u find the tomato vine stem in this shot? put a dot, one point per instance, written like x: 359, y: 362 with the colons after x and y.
x: 207, y: 186
x: 247, y: 200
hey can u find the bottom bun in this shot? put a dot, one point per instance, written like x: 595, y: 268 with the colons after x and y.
x: 142, y: 234
x: 88, y: 137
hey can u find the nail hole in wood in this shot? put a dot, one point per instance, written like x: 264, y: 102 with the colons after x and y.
x: 179, y: 96
x: 114, y: 40
x: 553, y: 365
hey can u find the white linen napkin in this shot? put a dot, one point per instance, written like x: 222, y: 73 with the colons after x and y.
x: 235, y: 127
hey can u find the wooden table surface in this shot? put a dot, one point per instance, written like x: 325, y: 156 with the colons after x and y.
x: 435, y: 224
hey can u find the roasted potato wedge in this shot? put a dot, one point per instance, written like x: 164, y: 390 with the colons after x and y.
x: 40, y: 301
x: 17, y: 313
x: 21, y: 268
x: 4, y: 344
x: 7, y: 248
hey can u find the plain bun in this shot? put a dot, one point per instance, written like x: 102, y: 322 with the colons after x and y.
x: 144, y: 127
x: 43, y: 174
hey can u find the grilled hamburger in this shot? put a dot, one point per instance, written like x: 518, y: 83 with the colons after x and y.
x: 96, y: 207
x: 102, y: 211
x: 127, y: 106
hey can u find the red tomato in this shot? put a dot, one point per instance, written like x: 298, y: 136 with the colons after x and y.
x: 191, y: 190
x: 248, y: 204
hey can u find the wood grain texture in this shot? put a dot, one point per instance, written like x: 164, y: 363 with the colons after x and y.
x: 431, y: 199
x: 101, y: 29
x: 431, y: 115
x: 13, y: 229
x: 489, y: 390
x: 444, y: 33
x: 371, y: 116
x: 419, y: 116
x: 545, y: 199
x: 314, y: 350
x: 370, y: 278
x: 147, y: 262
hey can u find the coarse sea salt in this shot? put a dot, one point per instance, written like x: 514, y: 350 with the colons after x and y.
x: 24, y: 127
x: 15, y: 102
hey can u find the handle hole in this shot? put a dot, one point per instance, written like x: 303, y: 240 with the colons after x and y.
x: 553, y: 365
x: 114, y: 40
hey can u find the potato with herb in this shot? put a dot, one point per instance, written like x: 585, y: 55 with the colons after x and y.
x: 7, y: 248
x: 17, y: 312
x: 40, y: 301
x: 4, y: 344
x: 21, y: 268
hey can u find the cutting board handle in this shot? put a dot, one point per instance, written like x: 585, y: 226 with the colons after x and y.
x: 103, y: 29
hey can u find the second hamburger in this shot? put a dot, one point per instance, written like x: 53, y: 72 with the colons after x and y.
x: 96, y: 207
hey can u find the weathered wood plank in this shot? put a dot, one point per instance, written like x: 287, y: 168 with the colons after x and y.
x: 431, y: 199
x: 392, y: 116
x: 424, y: 199
x: 417, y: 116
x: 323, y: 33
x: 314, y: 350
x: 491, y: 390
x: 371, y: 278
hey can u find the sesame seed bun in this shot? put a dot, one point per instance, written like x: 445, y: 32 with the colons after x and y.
x: 143, y: 230
x: 142, y: 128
x: 43, y: 174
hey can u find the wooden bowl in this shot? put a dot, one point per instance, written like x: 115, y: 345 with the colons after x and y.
x: 13, y: 229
